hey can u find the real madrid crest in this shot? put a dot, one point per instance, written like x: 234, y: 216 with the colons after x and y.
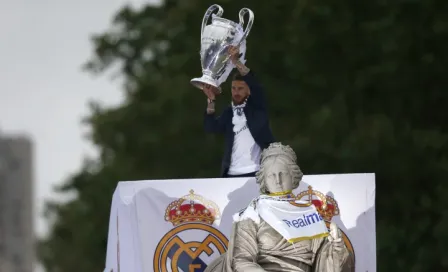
x: 193, y: 241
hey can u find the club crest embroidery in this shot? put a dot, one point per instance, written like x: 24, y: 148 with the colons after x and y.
x: 327, y: 207
x: 193, y: 242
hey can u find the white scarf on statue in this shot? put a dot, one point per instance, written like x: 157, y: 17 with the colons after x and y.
x: 294, y: 220
x: 239, y: 119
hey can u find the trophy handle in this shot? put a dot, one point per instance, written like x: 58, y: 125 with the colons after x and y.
x: 243, y: 12
x: 208, y: 13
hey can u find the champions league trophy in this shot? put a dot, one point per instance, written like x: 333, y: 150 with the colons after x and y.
x: 216, y: 39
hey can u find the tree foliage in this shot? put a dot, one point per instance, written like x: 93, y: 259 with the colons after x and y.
x: 353, y: 86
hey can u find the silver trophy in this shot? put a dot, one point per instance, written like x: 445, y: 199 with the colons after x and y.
x: 216, y: 39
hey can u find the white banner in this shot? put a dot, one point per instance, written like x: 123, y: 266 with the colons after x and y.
x: 181, y: 225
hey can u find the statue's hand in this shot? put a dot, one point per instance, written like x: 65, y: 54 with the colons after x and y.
x: 335, y: 238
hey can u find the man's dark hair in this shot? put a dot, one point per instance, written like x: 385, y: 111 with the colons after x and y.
x: 237, y: 76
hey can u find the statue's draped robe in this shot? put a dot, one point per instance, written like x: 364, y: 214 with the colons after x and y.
x: 258, y: 247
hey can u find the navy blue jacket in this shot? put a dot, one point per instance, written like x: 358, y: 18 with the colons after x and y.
x: 257, y: 121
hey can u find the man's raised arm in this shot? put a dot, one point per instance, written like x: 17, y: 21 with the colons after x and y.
x: 256, y: 90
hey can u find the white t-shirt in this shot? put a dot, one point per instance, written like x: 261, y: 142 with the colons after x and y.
x: 246, y: 152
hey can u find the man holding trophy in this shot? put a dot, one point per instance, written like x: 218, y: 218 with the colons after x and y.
x: 245, y: 123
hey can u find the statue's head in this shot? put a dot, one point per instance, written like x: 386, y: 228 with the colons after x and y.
x: 279, y: 172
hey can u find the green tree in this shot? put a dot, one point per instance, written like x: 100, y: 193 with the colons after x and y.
x: 352, y: 86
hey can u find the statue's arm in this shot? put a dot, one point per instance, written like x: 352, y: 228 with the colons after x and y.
x: 245, y: 248
x: 332, y: 255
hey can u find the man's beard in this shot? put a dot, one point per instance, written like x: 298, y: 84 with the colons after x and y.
x: 238, y: 101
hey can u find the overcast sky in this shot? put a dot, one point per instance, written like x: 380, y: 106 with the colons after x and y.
x: 43, y: 92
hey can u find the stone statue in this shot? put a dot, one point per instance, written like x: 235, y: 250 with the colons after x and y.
x: 278, y: 233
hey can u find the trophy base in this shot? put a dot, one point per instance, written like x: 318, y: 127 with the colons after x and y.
x: 200, y: 81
